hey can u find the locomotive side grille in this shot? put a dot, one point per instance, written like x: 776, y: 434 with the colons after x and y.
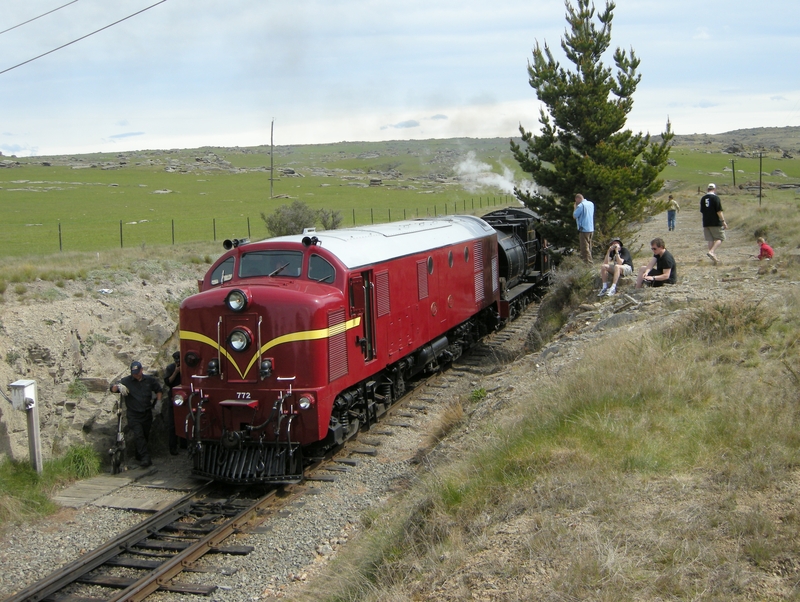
x: 479, y: 287
x: 422, y: 279
x: 337, y: 345
x: 477, y: 255
x: 495, y: 279
x: 382, y: 293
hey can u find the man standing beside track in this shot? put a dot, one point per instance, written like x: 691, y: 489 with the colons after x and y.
x: 137, y: 390
x: 172, y: 378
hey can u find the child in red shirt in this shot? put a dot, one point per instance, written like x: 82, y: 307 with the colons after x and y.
x: 766, y: 250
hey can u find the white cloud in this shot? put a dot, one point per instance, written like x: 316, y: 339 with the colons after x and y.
x: 204, y: 72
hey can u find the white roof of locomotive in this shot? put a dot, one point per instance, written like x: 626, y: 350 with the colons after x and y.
x: 364, y: 245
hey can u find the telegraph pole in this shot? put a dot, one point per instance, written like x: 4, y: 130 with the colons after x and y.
x: 271, y: 163
x: 760, y: 174
x: 733, y: 170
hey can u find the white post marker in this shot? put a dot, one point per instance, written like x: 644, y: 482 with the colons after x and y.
x: 24, y: 397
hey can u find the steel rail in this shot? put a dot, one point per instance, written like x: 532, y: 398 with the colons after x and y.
x: 85, y: 564
x: 172, y: 567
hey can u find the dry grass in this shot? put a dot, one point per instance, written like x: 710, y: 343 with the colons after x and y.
x: 136, y: 262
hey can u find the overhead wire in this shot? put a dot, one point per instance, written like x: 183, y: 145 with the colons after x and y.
x: 82, y: 37
x: 39, y: 17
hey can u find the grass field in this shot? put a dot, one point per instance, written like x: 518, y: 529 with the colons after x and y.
x: 156, y: 197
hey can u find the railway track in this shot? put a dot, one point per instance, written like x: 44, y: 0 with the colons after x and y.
x: 147, y: 557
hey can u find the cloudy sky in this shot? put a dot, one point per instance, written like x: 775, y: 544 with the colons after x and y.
x: 189, y: 73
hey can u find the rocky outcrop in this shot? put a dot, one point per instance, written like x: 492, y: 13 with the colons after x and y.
x: 73, y: 348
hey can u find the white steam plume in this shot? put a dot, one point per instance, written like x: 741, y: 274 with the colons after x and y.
x: 476, y: 175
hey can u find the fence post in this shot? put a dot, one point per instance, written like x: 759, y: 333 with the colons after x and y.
x: 390, y: 214
x: 120, y: 234
x: 214, y: 221
x: 60, y: 247
x: 354, y: 216
x: 371, y: 215
x: 173, y: 231
x: 248, y: 228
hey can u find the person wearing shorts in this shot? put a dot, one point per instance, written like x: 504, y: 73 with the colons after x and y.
x: 714, y: 224
x: 617, y: 263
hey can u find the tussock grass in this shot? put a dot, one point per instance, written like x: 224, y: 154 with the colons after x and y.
x: 25, y: 495
x: 653, y: 471
x: 109, y: 266
x: 572, y: 281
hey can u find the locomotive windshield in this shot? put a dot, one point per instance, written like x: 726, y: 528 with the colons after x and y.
x: 223, y: 272
x: 320, y: 270
x: 271, y: 263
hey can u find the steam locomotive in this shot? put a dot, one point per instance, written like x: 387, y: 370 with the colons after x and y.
x: 295, y: 343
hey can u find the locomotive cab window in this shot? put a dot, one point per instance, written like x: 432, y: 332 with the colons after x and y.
x: 223, y: 272
x: 320, y: 269
x: 277, y: 264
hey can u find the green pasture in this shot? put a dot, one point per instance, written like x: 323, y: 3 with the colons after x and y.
x: 152, y: 198
x: 102, y: 204
x: 696, y: 168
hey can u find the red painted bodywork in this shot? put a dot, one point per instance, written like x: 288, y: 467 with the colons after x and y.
x: 307, y: 328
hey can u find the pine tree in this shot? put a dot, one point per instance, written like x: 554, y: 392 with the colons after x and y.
x: 582, y: 147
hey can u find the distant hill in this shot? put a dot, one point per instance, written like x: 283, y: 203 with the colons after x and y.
x: 767, y: 139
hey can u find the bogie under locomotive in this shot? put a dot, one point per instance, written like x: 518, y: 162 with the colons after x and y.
x: 295, y: 343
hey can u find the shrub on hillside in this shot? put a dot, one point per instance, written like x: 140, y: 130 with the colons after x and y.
x: 290, y: 219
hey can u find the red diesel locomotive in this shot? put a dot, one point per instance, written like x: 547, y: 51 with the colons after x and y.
x: 295, y: 343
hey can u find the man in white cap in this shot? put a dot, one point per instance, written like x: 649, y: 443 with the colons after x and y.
x: 714, y: 224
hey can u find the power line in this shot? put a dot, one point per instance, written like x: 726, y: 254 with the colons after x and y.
x: 39, y: 17
x: 82, y: 37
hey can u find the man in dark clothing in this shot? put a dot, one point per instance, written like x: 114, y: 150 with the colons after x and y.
x: 172, y: 378
x: 714, y: 224
x: 617, y: 263
x: 661, y: 269
x: 137, y: 390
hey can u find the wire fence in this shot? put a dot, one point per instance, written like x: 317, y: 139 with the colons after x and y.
x: 78, y: 235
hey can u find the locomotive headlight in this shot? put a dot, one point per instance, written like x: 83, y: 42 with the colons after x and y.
x: 305, y: 402
x: 239, y: 339
x: 236, y: 300
x: 178, y: 401
x: 213, y: 367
